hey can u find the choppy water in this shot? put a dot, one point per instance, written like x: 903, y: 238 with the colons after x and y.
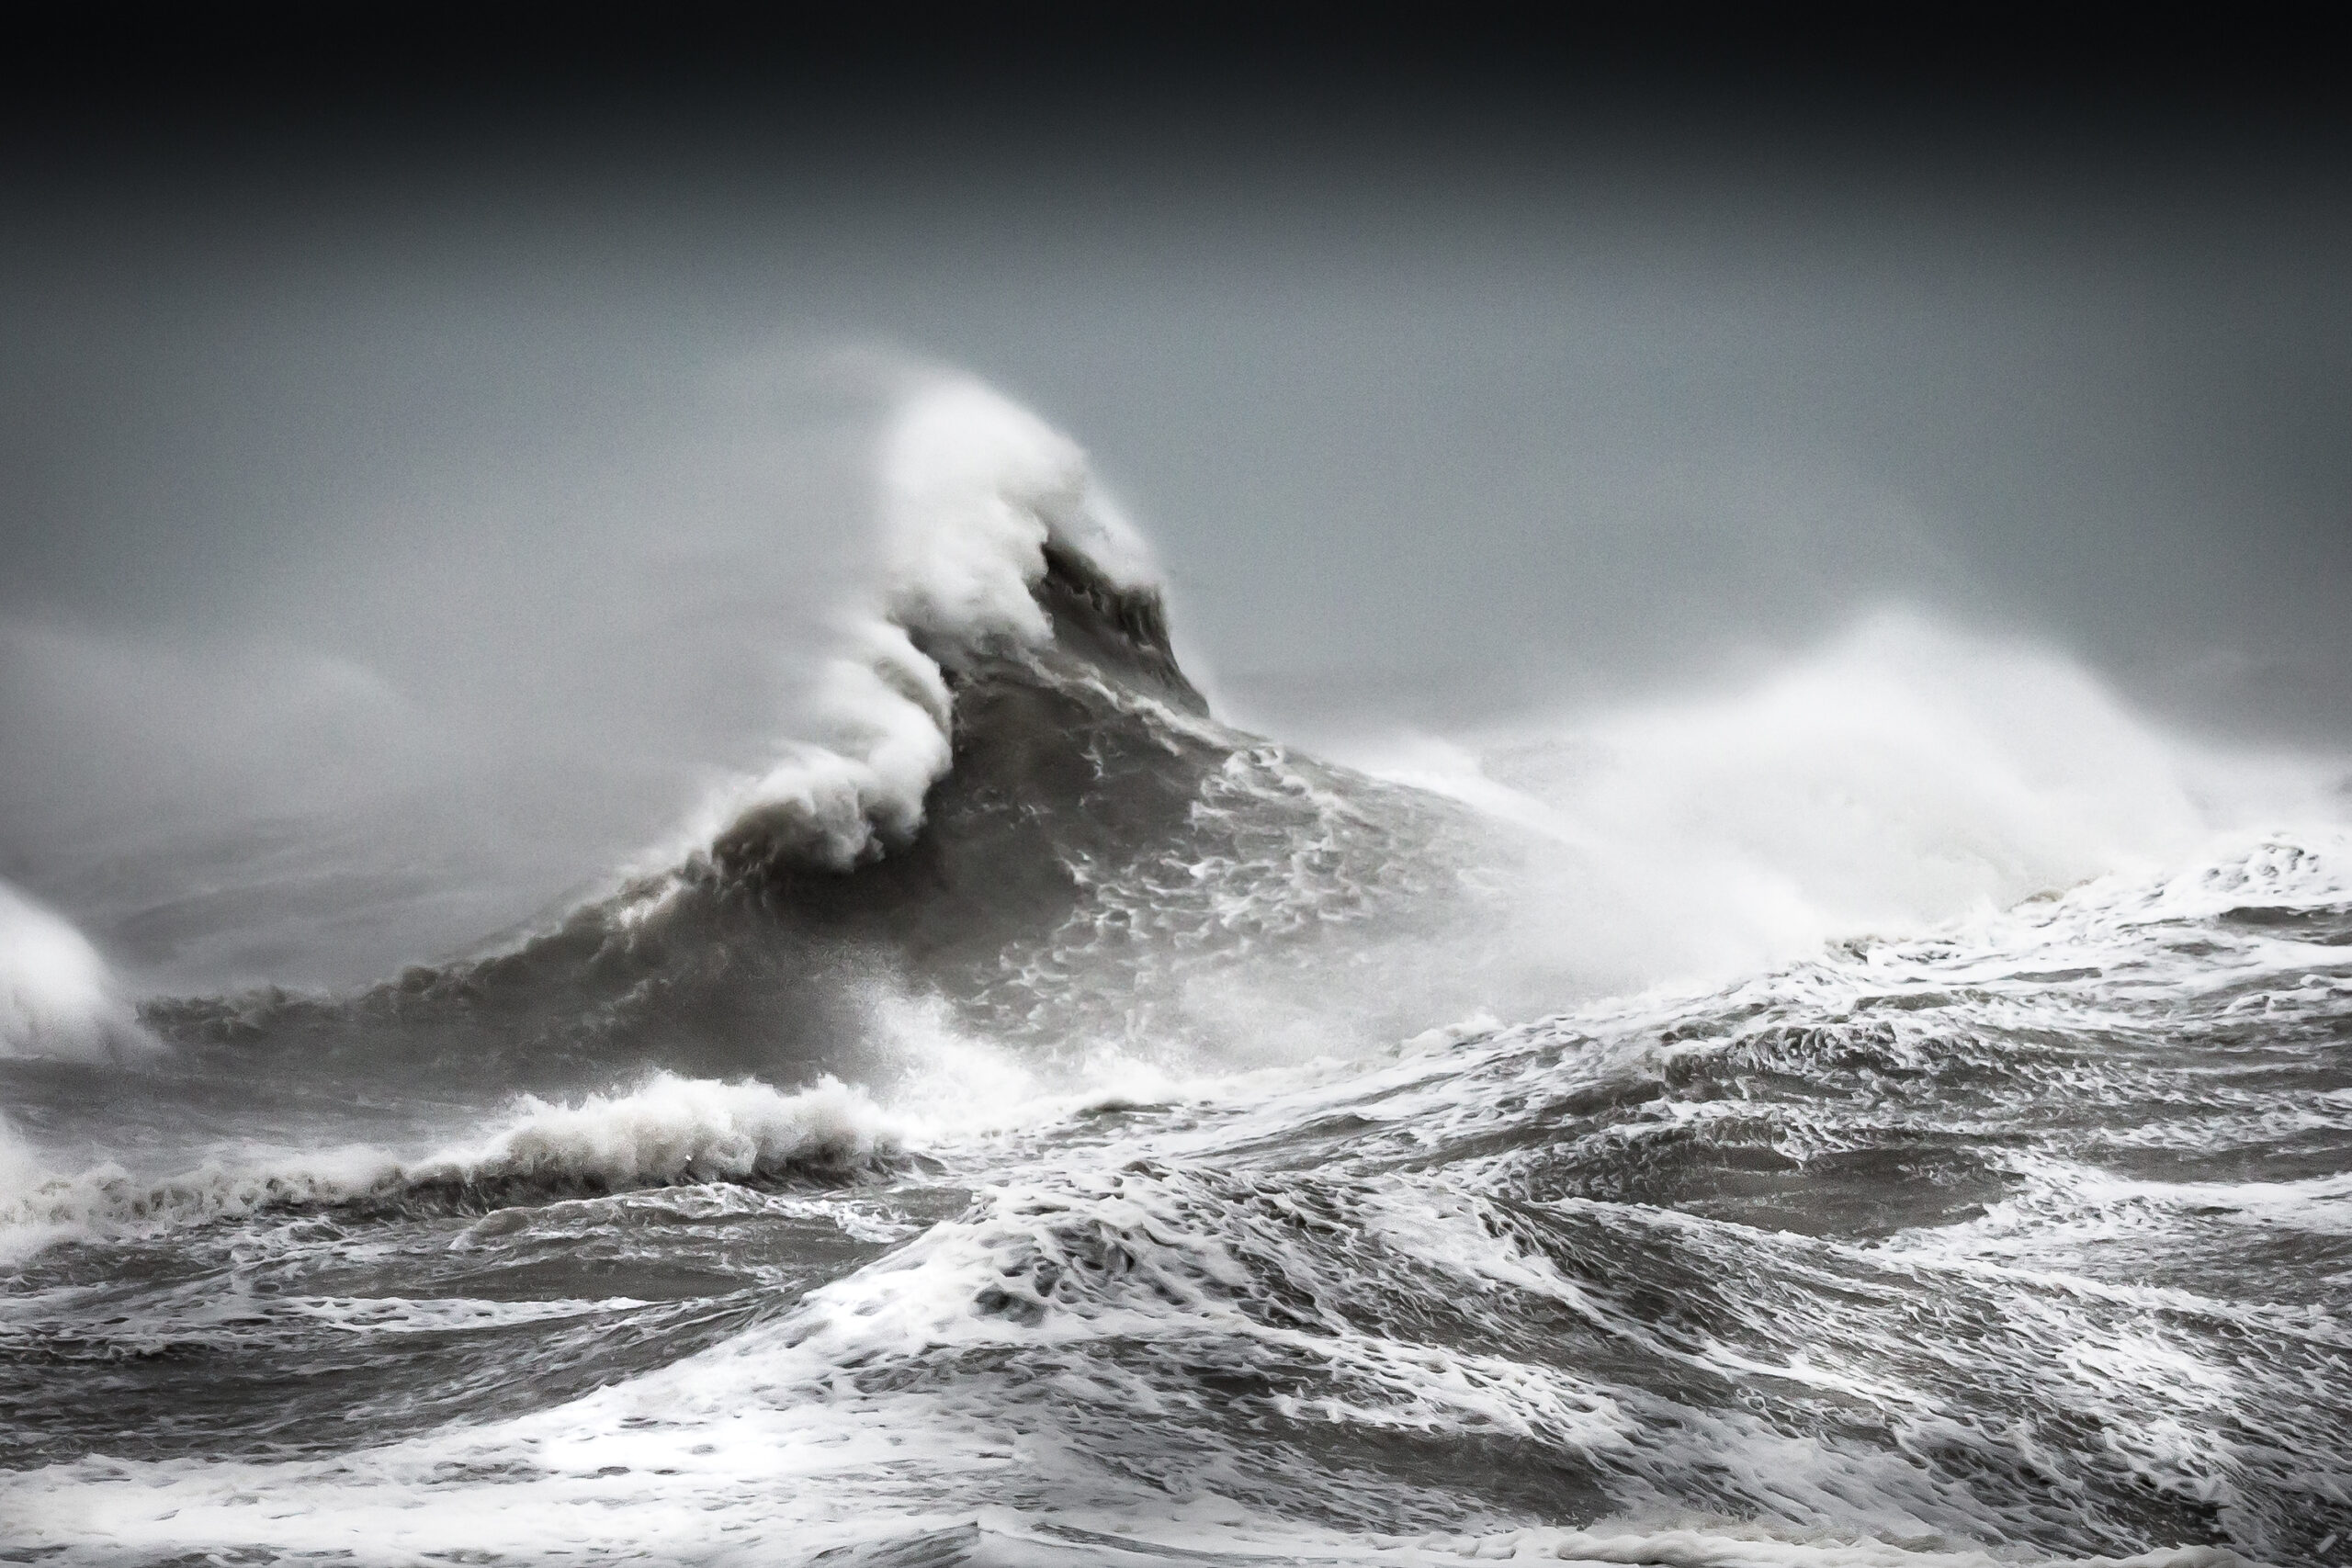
x: 1045, y: 1125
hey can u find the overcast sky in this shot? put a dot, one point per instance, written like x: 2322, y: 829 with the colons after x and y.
x: 540, y: 439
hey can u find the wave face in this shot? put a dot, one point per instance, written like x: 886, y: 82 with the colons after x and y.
x: 1017, y: 801
x: 1900, y: 1112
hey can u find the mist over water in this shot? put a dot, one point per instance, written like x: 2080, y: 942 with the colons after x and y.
x: 1458, y: 895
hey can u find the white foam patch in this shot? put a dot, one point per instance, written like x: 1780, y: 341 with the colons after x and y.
x: 1725, y: 1544
x: 2069, y: 1209
x: 954, y: 1085
x: 56, y: 995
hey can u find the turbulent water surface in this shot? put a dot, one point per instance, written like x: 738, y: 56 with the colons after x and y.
x: 1900, y: 1113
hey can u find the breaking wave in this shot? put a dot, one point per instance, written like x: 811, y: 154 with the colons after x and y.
x: 669, y: 1130
x: 984, y: 504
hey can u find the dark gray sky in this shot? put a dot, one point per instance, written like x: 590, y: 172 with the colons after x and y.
x: 537, y: 437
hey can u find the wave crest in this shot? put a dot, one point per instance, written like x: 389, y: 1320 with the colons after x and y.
x: 986, y: 509
x: 669, y: 1130
x: 674, y: 1130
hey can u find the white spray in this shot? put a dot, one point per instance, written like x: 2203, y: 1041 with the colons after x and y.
x: 1902, y: 775
x: 56, y: 997
x: 974, y: 487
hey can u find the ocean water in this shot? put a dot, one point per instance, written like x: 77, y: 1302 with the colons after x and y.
x: 1897, y: 1111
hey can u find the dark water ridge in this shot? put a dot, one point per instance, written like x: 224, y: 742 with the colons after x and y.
x: 1096, y: 841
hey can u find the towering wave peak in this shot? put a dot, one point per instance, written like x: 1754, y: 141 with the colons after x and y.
x: 1000, y: 547
x: 1010, y: 798
x: 56, y: 997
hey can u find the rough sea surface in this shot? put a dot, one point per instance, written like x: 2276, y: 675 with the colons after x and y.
x: 1039, y: 1124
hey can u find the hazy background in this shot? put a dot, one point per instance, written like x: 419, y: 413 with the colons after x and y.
x: 408, y: 503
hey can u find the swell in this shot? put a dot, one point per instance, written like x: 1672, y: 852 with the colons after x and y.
x: 1087, y: 789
